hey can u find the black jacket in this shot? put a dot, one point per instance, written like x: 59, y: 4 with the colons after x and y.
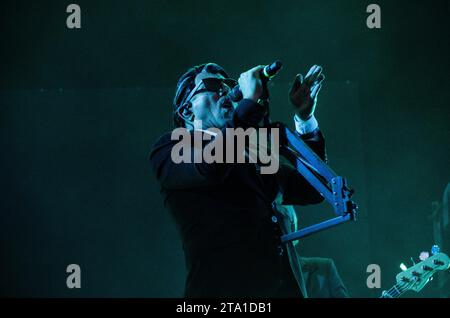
x: 223, y: 213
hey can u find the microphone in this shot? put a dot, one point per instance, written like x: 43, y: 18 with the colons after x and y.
x: 265, y: 74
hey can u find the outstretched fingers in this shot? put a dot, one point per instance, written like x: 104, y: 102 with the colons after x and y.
x: 315, y: 89
x: 313, y: 75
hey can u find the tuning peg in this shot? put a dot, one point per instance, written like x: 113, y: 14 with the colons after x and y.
x: 438, y: 262
x: 435, y: 249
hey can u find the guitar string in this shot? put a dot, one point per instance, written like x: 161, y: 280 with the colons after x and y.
x: 392, y: 290
x: 398, y: 289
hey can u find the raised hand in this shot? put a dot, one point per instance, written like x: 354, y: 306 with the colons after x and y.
x: 304, y: 91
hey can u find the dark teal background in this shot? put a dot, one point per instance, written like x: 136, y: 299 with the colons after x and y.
x: 80, y: 109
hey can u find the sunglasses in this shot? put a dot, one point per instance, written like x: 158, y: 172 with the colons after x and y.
x: 221, y: 86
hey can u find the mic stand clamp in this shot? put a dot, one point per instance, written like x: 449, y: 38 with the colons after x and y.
x: 331, y: 186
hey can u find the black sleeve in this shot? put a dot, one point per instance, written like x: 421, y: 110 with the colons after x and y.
x: 173, y: 175
x: 296, y: 190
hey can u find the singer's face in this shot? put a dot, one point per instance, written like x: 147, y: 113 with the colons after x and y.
x: 209, y: 107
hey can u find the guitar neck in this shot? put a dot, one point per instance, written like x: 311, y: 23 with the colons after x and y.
x: 395, y: 292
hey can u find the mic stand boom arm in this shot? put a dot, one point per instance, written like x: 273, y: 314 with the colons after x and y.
x: 331, y: 186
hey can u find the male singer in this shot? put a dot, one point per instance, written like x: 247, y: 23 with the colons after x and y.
x: 223, y: 211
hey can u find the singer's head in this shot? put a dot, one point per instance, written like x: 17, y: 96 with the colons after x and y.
x: 201, y: 95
